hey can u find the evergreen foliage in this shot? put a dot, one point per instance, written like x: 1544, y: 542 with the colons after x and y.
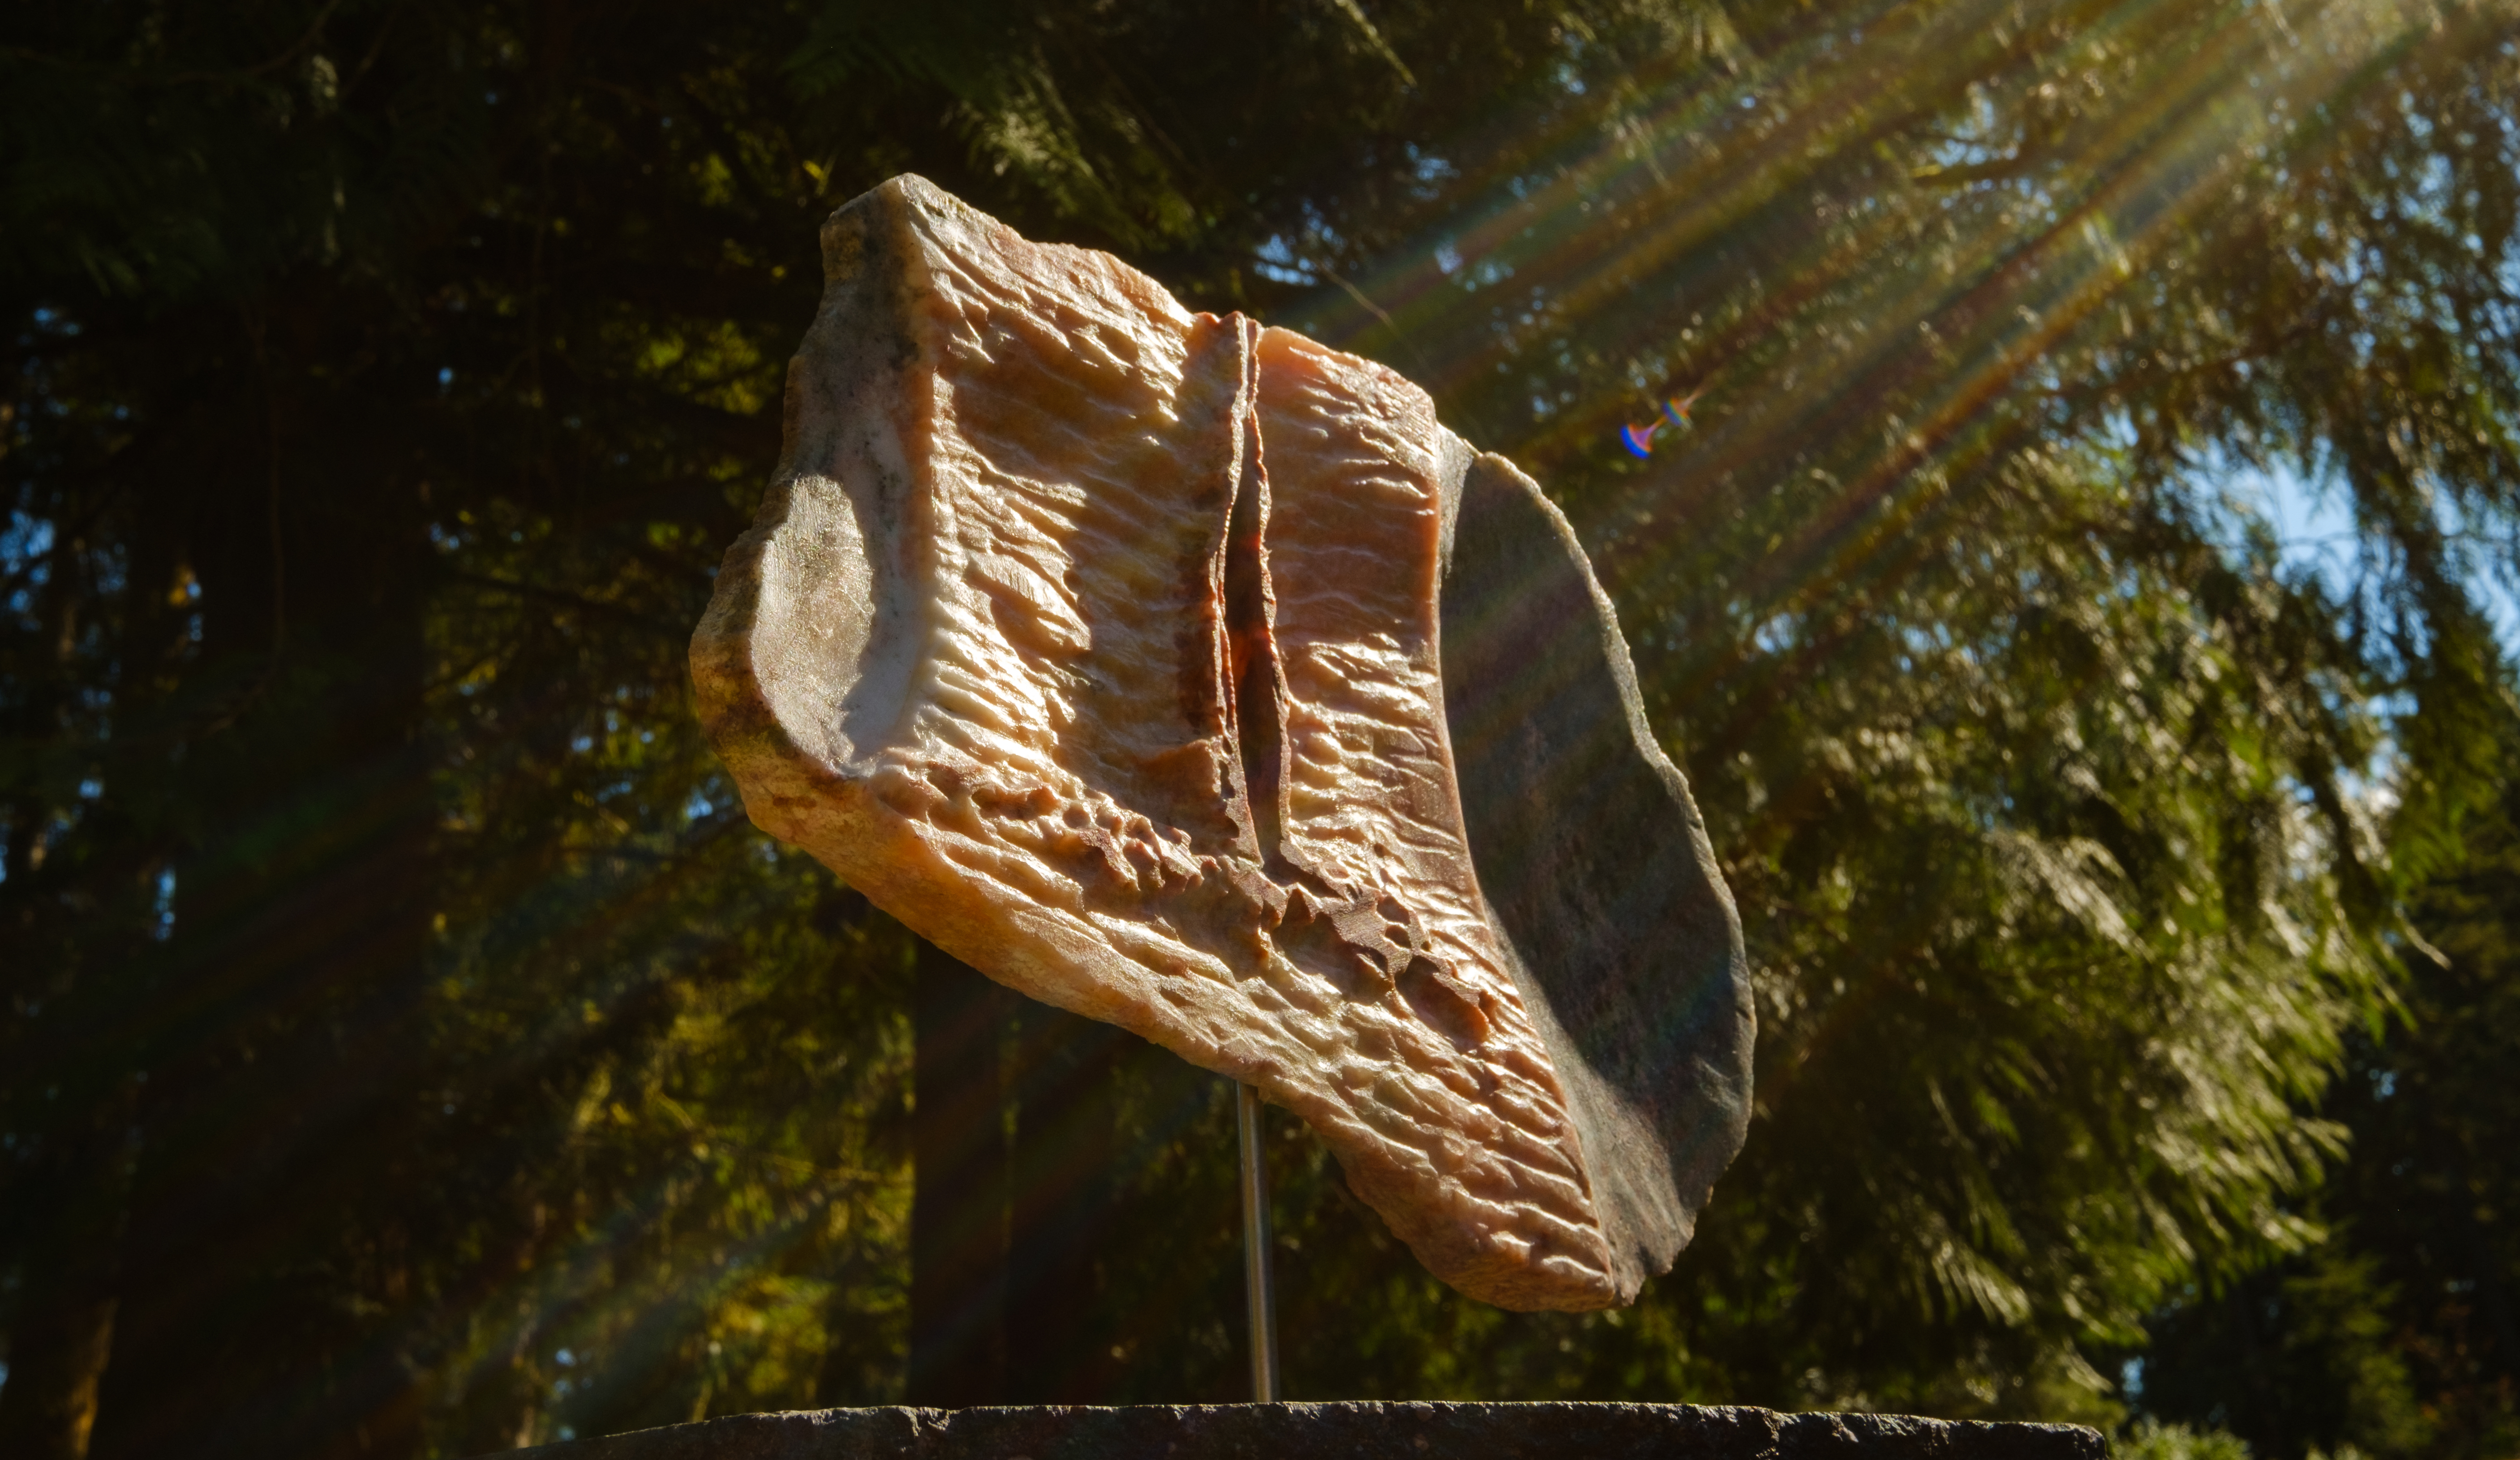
x: 2401, y: 1335
x: 409, y: 1048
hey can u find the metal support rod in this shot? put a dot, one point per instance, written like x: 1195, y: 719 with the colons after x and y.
x: 1257, y: 1290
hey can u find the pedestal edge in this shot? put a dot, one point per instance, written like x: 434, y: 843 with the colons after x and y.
x: 1348, y: 1430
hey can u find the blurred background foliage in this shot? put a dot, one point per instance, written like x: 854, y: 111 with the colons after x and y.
x: 2075, y: 602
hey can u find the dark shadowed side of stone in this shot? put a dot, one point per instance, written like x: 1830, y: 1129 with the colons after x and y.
x: 1349, y: 1431
x: 1623, y: 940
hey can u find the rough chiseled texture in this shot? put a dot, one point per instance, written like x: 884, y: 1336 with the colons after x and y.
x: 1099, y: 643
x: 1478, y: 1168
x: 1349, y: 1431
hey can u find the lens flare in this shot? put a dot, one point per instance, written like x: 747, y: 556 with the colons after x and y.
x: 1639, y: 439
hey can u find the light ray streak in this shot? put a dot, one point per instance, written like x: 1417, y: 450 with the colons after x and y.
x: 2154, y: 164
x: 1956, y: 433
x: 1804, y: 284
x: 2042, y: 248
x: 1719, y: 192
x: 1600, y: 279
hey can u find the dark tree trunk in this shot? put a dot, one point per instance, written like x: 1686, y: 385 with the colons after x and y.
x: 958, y: 1205
x: 1012, y: 1133
x: 60, y: 1344
x: 275, y: 1023
x: 1058, y: 1343
x: 62, y: 1332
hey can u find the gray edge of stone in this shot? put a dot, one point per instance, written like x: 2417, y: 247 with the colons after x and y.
x: 1363, y: 1431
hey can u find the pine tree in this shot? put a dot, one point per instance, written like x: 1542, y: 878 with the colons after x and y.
x: 410, y: 1049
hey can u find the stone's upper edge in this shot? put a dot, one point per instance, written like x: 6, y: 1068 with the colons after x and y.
x: 913, y: 199
x: 1452, y: 459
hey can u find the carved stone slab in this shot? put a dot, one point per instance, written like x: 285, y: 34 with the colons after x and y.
x: 1105, y: 645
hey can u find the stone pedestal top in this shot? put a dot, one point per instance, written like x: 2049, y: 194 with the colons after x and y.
x: 1349, y: 1431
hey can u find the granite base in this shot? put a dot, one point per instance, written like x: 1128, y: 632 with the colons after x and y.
x: 1349, y: 1431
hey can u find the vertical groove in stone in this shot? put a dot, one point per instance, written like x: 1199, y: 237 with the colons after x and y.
x: 1250, y: 616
